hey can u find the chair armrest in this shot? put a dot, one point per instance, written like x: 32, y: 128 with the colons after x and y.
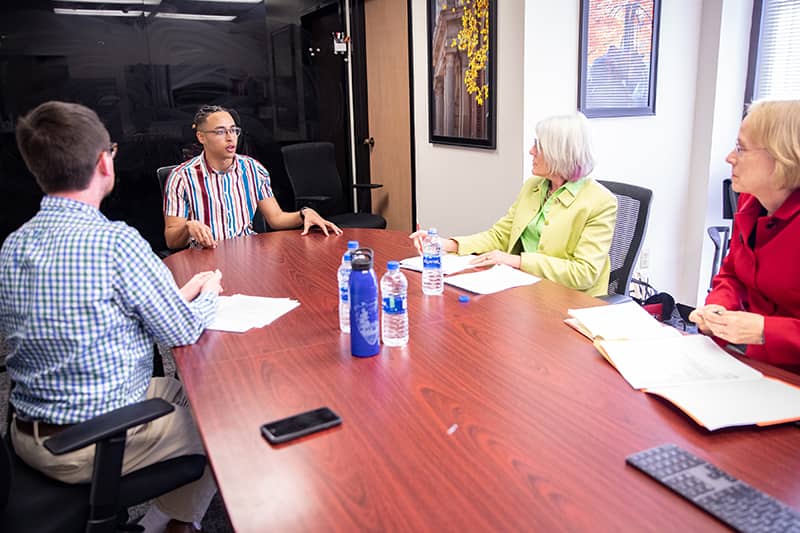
x: 614, y: 299
x: 300, y: 199
x: 107, y: 425
x: 367, y: 185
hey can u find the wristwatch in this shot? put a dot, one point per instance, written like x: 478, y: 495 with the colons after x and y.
x: 302, y: 214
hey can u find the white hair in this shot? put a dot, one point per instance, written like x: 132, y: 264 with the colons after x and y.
x: 565, y: 145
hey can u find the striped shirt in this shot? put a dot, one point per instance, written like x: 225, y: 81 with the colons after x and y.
x: 81, y: 301
x: 223, y: 201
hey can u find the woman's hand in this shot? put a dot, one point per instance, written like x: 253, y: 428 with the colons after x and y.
x: 448, y: 245
x: 737, y: 327
x: 496, y: 257
x: 698, y: 316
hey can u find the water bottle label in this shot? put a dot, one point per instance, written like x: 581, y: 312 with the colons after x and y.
x: 431, y: 261
x: 367, y: 322
x: 394, y: 305
x: 344, y: 294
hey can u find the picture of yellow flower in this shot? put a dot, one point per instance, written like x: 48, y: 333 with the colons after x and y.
x: 461, y: 71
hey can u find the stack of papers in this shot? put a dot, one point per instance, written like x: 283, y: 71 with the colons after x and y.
x: 240, y: 312
x: 621, y: 321
x: 711, y: 386
x: 451, y: 263
x: 495, y: 279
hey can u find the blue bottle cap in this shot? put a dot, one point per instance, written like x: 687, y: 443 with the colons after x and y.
x: 463, y: 298
x: 352, y: 245
x: 392, y: 265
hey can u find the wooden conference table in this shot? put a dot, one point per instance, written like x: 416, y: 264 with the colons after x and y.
x: 496, y: 416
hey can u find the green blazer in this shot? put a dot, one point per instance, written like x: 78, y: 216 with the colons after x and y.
x: 573, y: 247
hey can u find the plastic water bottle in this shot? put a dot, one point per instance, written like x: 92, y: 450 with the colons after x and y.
x: 394, y: 321
x: 365, y: 334
x: 432, y: 277
x: 343, y: 275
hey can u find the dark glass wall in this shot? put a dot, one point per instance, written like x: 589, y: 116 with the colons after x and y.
x: 145, y: 67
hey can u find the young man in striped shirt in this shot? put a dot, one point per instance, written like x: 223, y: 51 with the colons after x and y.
x: 82, y: 299
x: 215, y: 195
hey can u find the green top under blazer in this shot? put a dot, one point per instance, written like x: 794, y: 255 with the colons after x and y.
x: 574, y: 243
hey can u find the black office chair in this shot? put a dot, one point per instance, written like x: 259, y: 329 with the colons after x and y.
x: 633, y: 211
x: 259, y: 224
x: 721, y: 235
x: 31, y: 501
x: 730, y: 199
x: 312, y: 172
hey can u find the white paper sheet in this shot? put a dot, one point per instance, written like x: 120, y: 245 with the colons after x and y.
x: 495, y: 279
x: 451, y: 263
x: 241, y: 312
x: 736, y: 403
x: 621, y: 321
x: 675, y: 361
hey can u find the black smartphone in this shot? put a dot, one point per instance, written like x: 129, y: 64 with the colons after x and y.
x: 295, y: 426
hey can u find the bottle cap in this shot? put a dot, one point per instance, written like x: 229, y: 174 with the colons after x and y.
x: 433, y: 231
x: 463, y: 298
x: 352, y: 245
x: 392, y: 265
x: 362, y: 259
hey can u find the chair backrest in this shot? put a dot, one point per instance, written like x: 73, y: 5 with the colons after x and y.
x: 163, y: 173
x: 633, y: 210
x: 311, y: 168
x: 730, y: 199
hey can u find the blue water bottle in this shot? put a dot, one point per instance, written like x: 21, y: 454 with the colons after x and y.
x: 365, y: 333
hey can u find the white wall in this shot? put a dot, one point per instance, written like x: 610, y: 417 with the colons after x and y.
x: 722, y: 78
x: 464, y: 190
x: 678, y: 153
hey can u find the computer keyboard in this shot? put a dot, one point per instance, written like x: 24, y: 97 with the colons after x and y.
x: 734, y: 502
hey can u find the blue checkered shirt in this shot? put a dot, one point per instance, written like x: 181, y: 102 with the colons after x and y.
x: 81, y: 301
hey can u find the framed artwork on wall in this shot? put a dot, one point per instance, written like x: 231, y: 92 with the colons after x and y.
x: 462, y: 72
x: 618, y: 57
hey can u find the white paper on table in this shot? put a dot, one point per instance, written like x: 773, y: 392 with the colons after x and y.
x: 762, y: 401
x: 621, y: 321
x: 451, y: 263
x: 675, y: 361
x: 241, y: 312
x: 495, y: 279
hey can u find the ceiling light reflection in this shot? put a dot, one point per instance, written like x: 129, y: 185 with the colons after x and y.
x: 193, y: 16
x: 99, y: 12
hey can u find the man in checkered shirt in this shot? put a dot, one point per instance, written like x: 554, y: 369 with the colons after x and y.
x: 81, y: 301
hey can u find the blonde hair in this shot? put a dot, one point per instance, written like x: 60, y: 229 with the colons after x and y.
x: 565, y: 145
x: 775, y: 125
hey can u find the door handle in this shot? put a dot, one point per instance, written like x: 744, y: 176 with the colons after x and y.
x: 370, y: 141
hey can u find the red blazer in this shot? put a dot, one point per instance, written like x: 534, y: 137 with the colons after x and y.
x: 765, y: 280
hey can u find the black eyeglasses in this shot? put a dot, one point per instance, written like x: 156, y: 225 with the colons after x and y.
x: 233, y: 130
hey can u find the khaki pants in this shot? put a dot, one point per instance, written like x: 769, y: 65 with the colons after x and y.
x: 170, y: 436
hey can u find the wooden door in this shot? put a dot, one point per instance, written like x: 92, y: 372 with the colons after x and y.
x: 388, y: 93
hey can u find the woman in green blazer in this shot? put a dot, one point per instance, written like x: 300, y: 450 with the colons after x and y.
x: 561, y: 224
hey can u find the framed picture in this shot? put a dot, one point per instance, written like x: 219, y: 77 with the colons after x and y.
x: 461, y: 72
x: 618, y: 57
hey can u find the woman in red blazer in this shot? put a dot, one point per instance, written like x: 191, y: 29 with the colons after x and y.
x: 755, y: 298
